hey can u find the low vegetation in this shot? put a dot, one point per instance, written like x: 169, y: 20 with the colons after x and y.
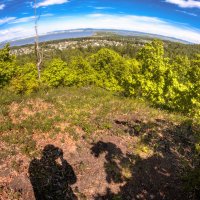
x: 128, y: 119
x: 172, y: 84
x: 133, y: 136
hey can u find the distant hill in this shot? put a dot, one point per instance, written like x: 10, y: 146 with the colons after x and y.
x: 80, y: 33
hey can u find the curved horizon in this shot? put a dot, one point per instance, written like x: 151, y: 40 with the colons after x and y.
x: 169, y: 18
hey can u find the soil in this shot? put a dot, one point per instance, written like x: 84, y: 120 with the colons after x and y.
x: 146, y: 162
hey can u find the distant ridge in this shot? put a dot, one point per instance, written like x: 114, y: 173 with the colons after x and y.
x: 88, y: 32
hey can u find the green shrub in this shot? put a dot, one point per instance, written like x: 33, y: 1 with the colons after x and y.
x: 83, y: 72
x: 7, y: 66
x: 171, y: 84
x: 111, y: 69
x: 54, y: 74
x: 25, y: 79
x: 151, y: 79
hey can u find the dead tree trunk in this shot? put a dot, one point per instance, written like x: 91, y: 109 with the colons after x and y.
x: 38, y: 51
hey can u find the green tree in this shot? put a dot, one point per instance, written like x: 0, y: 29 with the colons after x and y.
x: 25, y: 79
x: 84, y: 73
x: 151, y: 80
x: 178, y: 85
x: 7, y: 62
x: 195, y: 91
x: 110, y: 68
x: 131, y: 76
x: 55, y: 72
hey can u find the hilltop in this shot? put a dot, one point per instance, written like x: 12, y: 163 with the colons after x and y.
x: 118, y: 148
x: 101, y: 118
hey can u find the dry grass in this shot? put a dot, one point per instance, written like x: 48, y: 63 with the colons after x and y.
x: 19, y: 112
x: 76, y: 120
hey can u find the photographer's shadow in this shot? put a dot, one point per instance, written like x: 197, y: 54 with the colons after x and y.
x: 51, y: 176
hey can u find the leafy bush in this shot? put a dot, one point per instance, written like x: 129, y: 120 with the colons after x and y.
x: 7, y: 66
x: 172, y: 84
x: 111, y: 69
x: 25, y: 79
x: 151, y: 80
x: 131, y: 76
x: 195, y: 87
x: 55, y: 73
x: 83, y: 72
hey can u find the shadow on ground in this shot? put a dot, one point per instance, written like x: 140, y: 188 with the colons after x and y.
x: 51, y: 176
x: 158, y: 176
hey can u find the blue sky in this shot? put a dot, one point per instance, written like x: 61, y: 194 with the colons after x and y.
x: 173, y: 18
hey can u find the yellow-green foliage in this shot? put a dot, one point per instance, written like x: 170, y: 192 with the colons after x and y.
x: 78, y: 72
x: 178, y: 84
x: 151, y: 80
x: 132, y: 74
x: 172, y: 84
x: 25, y: 79
x: 6, y: 66
x: 84, y: 73
x: 195, y: 88
x: 111, y: 69
x: 54, y: 74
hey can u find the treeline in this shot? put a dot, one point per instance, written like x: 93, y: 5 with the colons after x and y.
x: 172, y: 84
x: 173, y: 49
x: 131, y: 45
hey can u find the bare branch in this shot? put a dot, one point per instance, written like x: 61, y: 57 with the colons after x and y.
x: 38, y: 51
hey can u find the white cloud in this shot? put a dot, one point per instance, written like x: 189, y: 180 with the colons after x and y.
x: 14, y: 20
x: 144, y: 24
x: 96, y: 15
x: 2, y: 6
x: 6, y: 20
x: 185, y: 3
x: 50, y: 3
x: 187, y: 13
x: 15, y: 33
x: 22, y: 20
x: 102, y: 8
x: 27, y: 19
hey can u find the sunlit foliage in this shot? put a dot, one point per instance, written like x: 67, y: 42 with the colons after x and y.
x: 171, y: 84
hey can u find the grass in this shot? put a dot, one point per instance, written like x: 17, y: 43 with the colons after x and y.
x: 90, y: 109
x: 86, y: 114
